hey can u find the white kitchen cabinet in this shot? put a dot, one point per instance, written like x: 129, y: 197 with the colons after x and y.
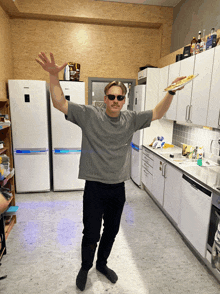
x: 147, y: 169
x: 174, y: 72
x: 195, y: 210
x: 213, y: 117
x: 201, y: 87
x: 152, y: 88
x: 158, y: 179
x: 172, y: 191
x: 153, y: 83
x: 184, y: 96
x: 163, y: 81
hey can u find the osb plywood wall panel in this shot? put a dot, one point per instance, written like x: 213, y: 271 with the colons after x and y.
x: 98, y: 10
x: 6, y: 64
x: 102, y: 51
x: 111, y: 13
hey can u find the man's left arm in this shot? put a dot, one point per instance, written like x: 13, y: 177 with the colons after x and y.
x: 162, y: 107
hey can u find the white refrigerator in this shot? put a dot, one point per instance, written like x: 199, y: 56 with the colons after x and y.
x: 66, y: 141
x: 137, y: 140
x: 29, y: 103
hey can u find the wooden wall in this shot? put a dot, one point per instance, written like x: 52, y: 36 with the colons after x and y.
x: 6, y: 58
x: 102, y: 51
x: 108, y: 39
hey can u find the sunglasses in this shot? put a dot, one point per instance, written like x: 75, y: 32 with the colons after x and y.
x: 112, y: 97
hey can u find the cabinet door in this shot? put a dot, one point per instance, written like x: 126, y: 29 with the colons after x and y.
x: 213, y: 117
x: 201, y: 87
x: 174, y: 73
x: 147, y: 179
x: 172, y: 191
x: 158, y: 179
x: 152, y: 88
x: 184, y: 96
x: 163, y: 83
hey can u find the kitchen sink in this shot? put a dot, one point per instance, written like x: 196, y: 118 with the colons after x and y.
x: 179, y: 159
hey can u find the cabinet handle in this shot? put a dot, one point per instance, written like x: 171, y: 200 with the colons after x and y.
x: 164, y: 170
x: 194, y: 187
x: 189, y: 118
x: 186, y: 116
x: 219, y: 119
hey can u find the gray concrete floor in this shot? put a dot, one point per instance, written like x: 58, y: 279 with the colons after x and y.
x: 149, y: 255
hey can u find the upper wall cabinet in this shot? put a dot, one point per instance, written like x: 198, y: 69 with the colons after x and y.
x: 153, y: 75
x: 163, y: 82
x: 213, y: 117
x: 184, y: 96
x: 201, y: 87
x: 174, y: 72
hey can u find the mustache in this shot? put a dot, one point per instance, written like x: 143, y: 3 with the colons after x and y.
x: 115, y: 104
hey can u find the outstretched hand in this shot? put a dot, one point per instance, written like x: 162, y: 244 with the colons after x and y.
x: 49, y: 66
x: 177, y: 80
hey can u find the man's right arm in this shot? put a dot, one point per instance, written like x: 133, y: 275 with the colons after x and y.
x: 58, y: 99
x: 53, y: 69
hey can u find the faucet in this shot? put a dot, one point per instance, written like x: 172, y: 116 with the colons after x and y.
x: 195, y: 151
x: 218, y: 145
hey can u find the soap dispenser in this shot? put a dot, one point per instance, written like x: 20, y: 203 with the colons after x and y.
x: 200, y: 155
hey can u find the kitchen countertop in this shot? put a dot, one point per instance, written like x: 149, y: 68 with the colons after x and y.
x: 208, y: 176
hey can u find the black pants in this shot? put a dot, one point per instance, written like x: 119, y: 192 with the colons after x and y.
x: 100, y: 201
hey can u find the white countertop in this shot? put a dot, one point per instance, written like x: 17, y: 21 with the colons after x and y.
x: 207, y: 175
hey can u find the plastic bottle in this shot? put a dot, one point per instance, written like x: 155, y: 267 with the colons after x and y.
x: 200, y: 155
x: 214, y: 37
x: 203, y: 43
x: 193, y: 46
x: 198, y: 43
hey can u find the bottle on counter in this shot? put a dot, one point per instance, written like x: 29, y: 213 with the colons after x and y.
x: 214, y: 37
x: 203, y: 43
x: 193, y: 46
x: 197, y: 50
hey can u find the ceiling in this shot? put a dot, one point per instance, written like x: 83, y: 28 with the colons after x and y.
x: 169, y: 3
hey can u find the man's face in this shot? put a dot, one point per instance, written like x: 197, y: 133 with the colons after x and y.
x: 113, y: 107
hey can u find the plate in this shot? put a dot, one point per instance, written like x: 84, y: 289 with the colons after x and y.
x: 181, y: 83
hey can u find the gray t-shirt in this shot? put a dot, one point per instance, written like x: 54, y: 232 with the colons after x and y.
x: 105, y: 150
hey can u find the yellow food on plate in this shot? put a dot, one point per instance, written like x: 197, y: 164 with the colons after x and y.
x: 181, y: 82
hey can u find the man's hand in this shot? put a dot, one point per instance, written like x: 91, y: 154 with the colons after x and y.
x: 48, y: 65
x: 177, y: 80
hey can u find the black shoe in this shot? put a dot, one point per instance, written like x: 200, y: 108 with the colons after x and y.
x: 81, y: 279
x: 110, y: 274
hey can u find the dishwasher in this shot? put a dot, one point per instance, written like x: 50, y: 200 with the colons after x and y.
x: 213, y: 243
x: 195, y: 213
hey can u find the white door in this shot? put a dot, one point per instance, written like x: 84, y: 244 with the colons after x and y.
x: 152, y: 88
x: 163, y: 82
x: 66, y: 142
x: 172, y: 191
x: 201, y: 87
x: 213, y: 117
x: 174, y: 73
x: 28, y: 107
x: 139, y: 104
x: 184, y: 96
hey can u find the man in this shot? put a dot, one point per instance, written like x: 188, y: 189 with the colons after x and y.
x: 104, y: 162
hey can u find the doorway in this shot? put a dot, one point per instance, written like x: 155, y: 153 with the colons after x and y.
x: 96, y: 94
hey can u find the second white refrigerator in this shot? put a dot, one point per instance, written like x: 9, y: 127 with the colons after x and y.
x: 66, y: 141
x: 137, y: 140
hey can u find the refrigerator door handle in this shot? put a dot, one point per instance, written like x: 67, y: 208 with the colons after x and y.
x: 66, y: 150
x: 31, y: 151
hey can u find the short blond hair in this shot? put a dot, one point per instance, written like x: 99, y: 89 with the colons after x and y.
x: 118, y: 84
